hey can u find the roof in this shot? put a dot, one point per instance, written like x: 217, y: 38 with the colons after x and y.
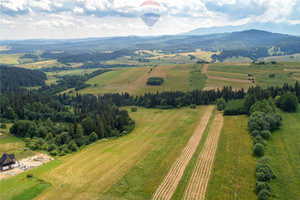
x: 5, y: 157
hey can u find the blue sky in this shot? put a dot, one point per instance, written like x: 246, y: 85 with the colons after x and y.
x: 25, y: 19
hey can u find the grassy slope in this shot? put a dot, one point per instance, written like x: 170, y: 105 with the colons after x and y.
x: 284, y: 151
x: 233, y: 169
x: 10, y: 58
x: 260, y: 72
x: 95, y: 169
x: 20, y: 187
x: 178, y: 194
x: 177, y: 79
x: 144, y: 178
x: 197, y: 79
x: 14, y: 145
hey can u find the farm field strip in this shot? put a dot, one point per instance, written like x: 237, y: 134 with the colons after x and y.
x: 167, y: 187
x: 205, y: 69
x: 226, y: 73
x: 230, y: 79
x: 161, y: 71
x: 197, y: 185
x: 292, y: 70
x: 92, y: 171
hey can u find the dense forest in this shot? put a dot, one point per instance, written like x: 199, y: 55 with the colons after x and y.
x: 12, y: 78
x: 59, y: 124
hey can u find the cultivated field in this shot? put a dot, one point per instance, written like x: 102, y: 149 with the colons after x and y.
x: 169, y: 184
x: 133, y: 80
x: 283, y: 150
x: 91, y: 172
x: 232, y: 175
x: 196, y: 188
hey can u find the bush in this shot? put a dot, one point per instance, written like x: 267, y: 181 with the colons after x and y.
x: 265, y: 134
x: 258, y: 140
x: 234, y: 107
x: 72, y: 146
x: 288, y: 102
x: 259, y: 149
x: 262, y: 185
x: 29, y: 175
x: 193, y: 106
x: 54, y: 152
x: 3, y: 126
x: 93, y: 137
x: 133, y: 109
x: 221, y: 104
x: 255, y: 133
x: 265, y: 172
x: 263, y: 194
x: 155, y: 81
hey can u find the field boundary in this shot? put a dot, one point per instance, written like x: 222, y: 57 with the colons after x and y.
x: 205, y: 69
x: 169, y: 184
x: 197, y: 185
x: 229, y: 79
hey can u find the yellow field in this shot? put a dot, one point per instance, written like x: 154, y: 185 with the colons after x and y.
x: 10, y: 58
x: 89, y: 173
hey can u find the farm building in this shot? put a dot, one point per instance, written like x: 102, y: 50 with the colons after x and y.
x: 8, y: 161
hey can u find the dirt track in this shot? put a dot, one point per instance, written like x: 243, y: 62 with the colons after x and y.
x: 169, y: 184
x: 197, y: 185
x: 229, y: 73
x: 229, y: 79
x: 204, y: 69
x: 292, y: 70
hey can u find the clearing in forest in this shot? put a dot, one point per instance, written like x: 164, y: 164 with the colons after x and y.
x: 197, y: 185
x: 169, y: 184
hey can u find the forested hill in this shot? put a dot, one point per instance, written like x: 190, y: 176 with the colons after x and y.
x: 12, y: 78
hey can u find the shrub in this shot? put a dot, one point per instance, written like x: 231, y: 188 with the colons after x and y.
x: 259, y: 149
x: 288, y: 102
x: 133, y: 109
x: 265, y: 134
x: 221, y: 104
x: 262, y: 185
x: 29, y: 175
x: 263, y: 194
x: 93, y: 137
x: 234, y: 107
x: 72, y: 146
x: 266, y: 170
x: 54, y: 152
x: 193, y: 106
x: 255, y: 133
x: 258, y: 140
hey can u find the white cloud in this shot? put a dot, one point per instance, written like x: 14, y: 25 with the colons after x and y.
x: 15, y: 5
x: 78, y: 10
x: 42, y: 4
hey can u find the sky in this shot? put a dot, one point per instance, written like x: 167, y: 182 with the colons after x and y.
x: 62, y: 19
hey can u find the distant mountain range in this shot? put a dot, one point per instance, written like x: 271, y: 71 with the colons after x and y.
x: 283, y: 28
x: 253, y: 44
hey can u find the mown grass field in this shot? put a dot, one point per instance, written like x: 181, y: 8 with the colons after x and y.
x: 284, y: 152
x: 10, y: 58
x: 133, y: 80
x: 232, y: 174
x: 260, y: 73
x: 14, y: 145
x: 154, y: 144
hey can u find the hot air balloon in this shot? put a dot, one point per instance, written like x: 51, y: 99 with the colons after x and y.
x: 150, y: 12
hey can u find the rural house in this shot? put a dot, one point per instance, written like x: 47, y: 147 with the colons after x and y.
x: 8, y: 161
